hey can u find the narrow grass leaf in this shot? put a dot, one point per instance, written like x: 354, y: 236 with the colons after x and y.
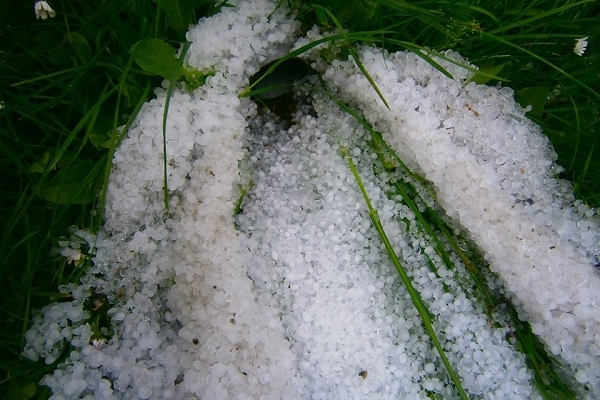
x: 354, y: 54
x: 351, y: 37
x: 414, y: 294
x: 173, y: 81
x: 423, y: 53
x: 539, y: 15
x: 117, y: 136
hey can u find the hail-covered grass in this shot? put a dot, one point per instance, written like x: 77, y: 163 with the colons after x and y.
x: 269, y: 274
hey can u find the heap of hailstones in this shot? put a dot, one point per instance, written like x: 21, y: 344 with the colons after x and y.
x: 295, y: 297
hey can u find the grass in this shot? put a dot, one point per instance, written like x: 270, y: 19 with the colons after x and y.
x: 68, y: 83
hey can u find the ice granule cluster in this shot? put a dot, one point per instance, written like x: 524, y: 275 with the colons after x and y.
x: 295, y: 297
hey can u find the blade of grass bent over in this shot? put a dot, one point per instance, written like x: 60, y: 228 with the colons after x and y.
x: 118, y: 138
x: 341, y: 37
x: 353, y: 53
x: 164, y: 122
x: 414, y: 294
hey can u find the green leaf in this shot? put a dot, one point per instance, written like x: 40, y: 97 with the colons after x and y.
x: 104, y: 140
x: 75, y: 184
x: 100, y: 132
x: 155, y: 56
x: 28, y: 390
x: 19, y: 389
x: 535, y: 96
x: 80, y: 46
x: 195, y: 78
x: 487, y: 73
x: 180, y: 13
x: 39, y: 166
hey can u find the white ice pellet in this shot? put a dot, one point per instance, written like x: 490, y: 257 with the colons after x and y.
x: 73, y: 387
x: 144, y: 392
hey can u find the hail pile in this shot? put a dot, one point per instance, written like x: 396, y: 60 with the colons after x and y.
x: 295, y: 297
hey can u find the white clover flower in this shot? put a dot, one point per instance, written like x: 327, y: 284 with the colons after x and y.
x: 580, y: 45
x: 43, y: 10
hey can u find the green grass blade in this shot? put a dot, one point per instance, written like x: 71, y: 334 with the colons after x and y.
x: 421, y: 52
x: 295, y: 53
x: 414, y: 294
x: 172, y: 83
x: 354, y: 54
x: 540, y: 15
x: 117, y: 137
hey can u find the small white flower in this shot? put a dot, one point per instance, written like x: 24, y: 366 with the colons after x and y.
x: 71, y: 247
x: 43, y: 10
x: 98, y: 343
x: 73, y: 255
x: 580, y: 45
